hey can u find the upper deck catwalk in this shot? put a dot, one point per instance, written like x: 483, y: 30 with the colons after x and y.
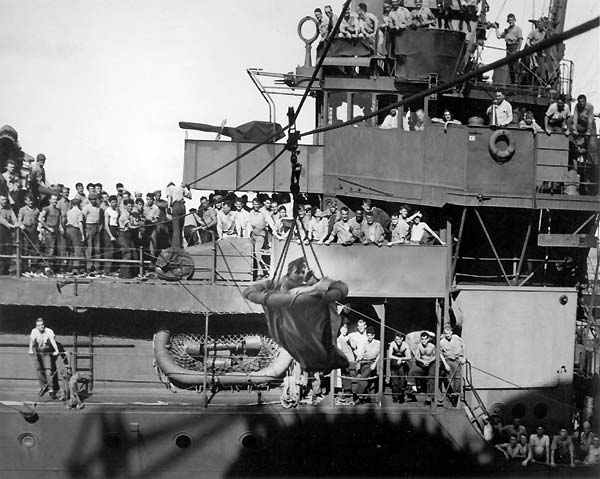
x: 413, y: 293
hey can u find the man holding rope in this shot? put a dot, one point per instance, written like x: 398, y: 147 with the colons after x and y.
x: 43, y: 344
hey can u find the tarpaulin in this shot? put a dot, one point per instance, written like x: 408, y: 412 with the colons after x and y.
x: 251, y: 132
x: 304, y: 321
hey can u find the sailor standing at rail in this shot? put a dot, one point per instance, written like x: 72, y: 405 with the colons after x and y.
x: 43, y: 344
x: 8, y: 223
x: 176, y: 196
x: 500, y: 111
x: 513, y: 36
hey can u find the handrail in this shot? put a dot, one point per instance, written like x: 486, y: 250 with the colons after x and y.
x: 468, y: 381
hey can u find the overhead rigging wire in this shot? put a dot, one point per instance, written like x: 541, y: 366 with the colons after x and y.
x: 262, y: 170
x: 316, y: 71
x: 290, y: 124
x: 546, y: 43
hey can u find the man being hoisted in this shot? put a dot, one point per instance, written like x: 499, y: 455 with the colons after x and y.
x: 302, y: 316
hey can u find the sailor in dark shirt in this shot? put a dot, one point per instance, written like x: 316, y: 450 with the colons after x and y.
x: 379, y: 216
x: 162, y: 228
x: 37, y: 177
x: 51, y: 220
x: 13, y: 184
x: 8, y: 223
x: 125, y: 239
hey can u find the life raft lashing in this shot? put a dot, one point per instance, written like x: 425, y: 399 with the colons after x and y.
x: 502, y: 146
x: 233, y: 360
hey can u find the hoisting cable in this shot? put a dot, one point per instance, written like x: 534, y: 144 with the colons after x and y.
x: 262, y: 170
x: 544, y: 44
x: 312, y: 80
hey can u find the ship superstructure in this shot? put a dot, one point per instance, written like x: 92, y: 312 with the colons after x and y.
x: 511, y: 277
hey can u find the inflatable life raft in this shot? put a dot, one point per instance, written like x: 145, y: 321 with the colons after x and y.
x: 237, y: 360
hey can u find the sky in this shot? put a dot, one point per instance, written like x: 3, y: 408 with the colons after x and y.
x: 99, y: 86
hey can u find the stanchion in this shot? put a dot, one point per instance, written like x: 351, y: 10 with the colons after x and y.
x: 141, y: 263
x: 213, y: 273
x: 381, y: 359
x: 438, y: 334
x: 205, y: 382
x: 18, y: 266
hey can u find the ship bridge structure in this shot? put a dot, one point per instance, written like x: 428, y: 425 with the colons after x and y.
x: 515, y: 212
x: 517, y: 207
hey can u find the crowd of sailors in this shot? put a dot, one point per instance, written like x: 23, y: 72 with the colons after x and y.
x: 93, y: 224
x: 395, y: 17
x: 459, y: 15
x: 558, y: 118
x: 89, y: 226
x: 576, y: 123
x: 409, y: 366
x: 562, y: 449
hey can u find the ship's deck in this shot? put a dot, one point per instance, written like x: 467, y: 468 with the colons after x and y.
x: 150, y: 396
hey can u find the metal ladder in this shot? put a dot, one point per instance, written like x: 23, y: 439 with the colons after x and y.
x: 83, y: 362
x: 478, y: 411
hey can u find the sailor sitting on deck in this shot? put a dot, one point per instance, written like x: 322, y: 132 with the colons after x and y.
x: 367, y: 359
x: 423, y: 366
x: 512, y: 449
x: 539, y: 447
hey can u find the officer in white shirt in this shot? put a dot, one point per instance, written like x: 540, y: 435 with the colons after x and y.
x: 500, y: 112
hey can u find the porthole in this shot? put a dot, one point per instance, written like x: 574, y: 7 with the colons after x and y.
x: 28, y: 440
x: 112, y: 441
x: 564, y: 299
x: 497, y: 409
x: 250, y: 441
x: 518, y: 410
x: 540, y: 410
x: 183, y: 441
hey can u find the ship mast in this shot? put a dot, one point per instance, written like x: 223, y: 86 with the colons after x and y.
x: 557, y: 13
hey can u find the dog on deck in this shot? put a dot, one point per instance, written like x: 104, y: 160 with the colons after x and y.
x: 70, y: 388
